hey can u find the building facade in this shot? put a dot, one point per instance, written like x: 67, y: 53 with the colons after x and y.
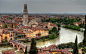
x: 36, y: 33
x: 5, y: 37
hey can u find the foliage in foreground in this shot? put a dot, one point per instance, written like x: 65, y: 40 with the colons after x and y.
x: 33, y: 48
x: 75, y: 47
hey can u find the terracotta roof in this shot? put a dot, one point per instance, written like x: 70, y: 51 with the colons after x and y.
x: 45, y: 24
x: 45, y: 52
x: 53, y: 25
x: 18, y: 32
x: 65, y: 51
x: 26, y: 27
x: 35, y: 28
x: 19, y: 19
x: 1, y: 23
x: 28, y: 32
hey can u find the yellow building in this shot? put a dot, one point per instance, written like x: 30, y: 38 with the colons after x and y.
x: 36, y: 33
x: 5, y: 37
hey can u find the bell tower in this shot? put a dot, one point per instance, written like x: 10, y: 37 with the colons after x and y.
x: 25, y: 15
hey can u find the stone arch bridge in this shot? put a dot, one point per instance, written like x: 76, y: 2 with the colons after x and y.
x: 19, y: 45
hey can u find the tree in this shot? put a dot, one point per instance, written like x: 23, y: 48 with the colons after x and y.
x: 43, y: 38
x: 12, y: 26
x: 46, y: 27
x: 58, y: 25
x: 54, y: 29
x: 50, y: 31
x: 5, y: 26
x: 75, y: 48
x: 25, y: 50
x: 84, y: 40
x: 33, y: 48
x: 50, y: 36
x: 53, y: 35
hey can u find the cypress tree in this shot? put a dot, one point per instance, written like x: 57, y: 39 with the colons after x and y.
x: 75, y: 48
x: 33, y: 48
x: 25, y: 50
x: 84, y: 40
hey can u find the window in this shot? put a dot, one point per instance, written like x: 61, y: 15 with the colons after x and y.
x: 25, y: 7
x: 11, y: 39
x: 6, y: 37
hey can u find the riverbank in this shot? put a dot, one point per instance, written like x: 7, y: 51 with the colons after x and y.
x: 72, y: 27
x: 46, y: 39
x: 43, y: 39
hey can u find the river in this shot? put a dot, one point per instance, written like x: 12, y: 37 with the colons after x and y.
x: 65, y: 36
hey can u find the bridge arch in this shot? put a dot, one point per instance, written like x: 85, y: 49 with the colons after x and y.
x: 21, y: 49
x: 15, y: 46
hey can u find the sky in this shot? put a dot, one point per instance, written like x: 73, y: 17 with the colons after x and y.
x: 43, y: 6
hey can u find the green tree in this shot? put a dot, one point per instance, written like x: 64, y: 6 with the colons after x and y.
x: 58, y: 25
x: 25, y: 50
x: 50, y: 36
x: 5, y: 26
x: 50, y: 31
x: 84, y: 40
x: 53, y: 35
x: 54, y: 29
x: 43, y: 38
x: 33, y: 48
x: 12, y: 26
x: 75, y: 48
x: 46, y: 27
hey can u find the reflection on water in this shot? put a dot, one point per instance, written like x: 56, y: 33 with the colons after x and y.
x: 65, y: 36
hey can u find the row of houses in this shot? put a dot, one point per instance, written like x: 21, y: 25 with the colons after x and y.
x: 8, y: 34
x: 52, y: 49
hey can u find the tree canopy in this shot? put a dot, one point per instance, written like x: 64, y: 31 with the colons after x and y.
x: 33, y: 48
